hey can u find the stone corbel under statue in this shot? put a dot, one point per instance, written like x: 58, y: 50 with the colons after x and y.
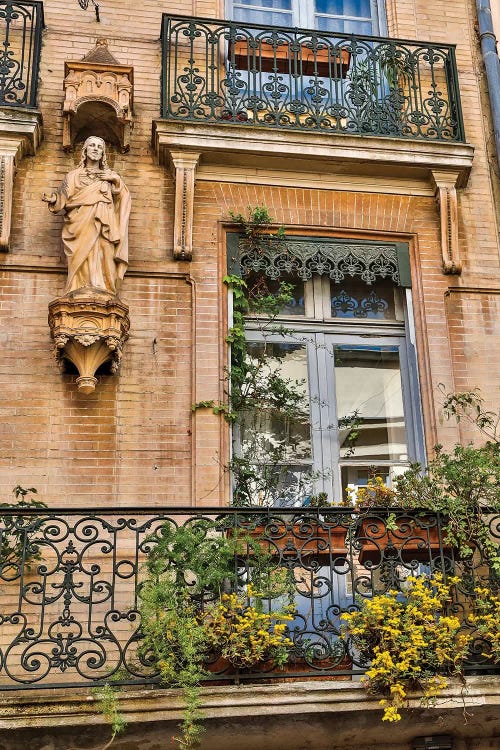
x: 89, y: 323
x: 89, y: 328
x: 20, y: 135
x: 446, y: 195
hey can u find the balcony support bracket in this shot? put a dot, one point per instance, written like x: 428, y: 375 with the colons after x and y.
x: 183, y: 165
x: 20, y: 135
x: 446, y: 195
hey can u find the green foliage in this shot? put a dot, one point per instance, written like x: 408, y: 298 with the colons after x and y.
x: 19, y: 545
x: 464, y: 486
x: 190, y: 569
x: 107, y: 696
x: 469, y: 405
x: 254, y: 224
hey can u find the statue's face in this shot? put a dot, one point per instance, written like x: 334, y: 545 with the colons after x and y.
x: 95, y: 149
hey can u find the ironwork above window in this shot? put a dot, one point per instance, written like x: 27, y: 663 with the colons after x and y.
x: 20, y: 40
x: 339, y: 259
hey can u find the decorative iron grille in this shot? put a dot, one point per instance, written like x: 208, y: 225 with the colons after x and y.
x: 20, y: 40
x: 268, y: 76
x: 69, y: 611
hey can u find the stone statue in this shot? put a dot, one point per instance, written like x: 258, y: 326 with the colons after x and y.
x: 96, y: 207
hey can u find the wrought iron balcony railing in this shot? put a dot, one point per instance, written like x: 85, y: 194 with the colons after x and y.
x: 268, y: 76
x: 70, y: 585
x: 21, y: 25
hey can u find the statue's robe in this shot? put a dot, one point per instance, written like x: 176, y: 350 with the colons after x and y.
x: 95, y: 231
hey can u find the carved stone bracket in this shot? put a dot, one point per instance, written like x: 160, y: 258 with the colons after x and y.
x: 184, y: 165
x: 20, y: 135
x: 446, y: 196
x: 89, y: 328
x: 99, y: 97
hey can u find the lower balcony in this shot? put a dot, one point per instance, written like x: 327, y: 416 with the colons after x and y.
x: 73, y: 583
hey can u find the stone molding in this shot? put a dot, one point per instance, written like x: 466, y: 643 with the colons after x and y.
x: 89, y: 83
x: 248, y: 713
x: 237, y: 145
x: 183, y: 166
x: 446, y: 196
x: 20, y: 135
x: 89, y: 327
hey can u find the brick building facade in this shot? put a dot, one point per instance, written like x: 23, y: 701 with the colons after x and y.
x: 135, y: 442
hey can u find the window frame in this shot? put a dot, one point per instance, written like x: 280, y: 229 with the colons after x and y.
x: 319, y: 333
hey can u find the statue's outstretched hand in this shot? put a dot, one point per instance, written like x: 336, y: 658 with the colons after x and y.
x: 50, y: 199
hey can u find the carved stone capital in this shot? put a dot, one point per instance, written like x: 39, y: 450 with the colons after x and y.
x: 20, y: 135
x: 89, y: 328
x: 98, y: 89
x: 446, y: 195
x: 183, y: 165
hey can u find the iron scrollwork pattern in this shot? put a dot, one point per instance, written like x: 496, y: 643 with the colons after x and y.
x: 70, y: 581
x: 21, y: 26
x: 255, y: 75
x: 339, y: 260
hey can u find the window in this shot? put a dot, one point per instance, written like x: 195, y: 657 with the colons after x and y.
x: 343, y: 346
x: 344, y: 16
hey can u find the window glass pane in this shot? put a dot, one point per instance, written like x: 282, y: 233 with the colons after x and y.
x: 370, y: 403
x: 268, y: 17
x: 325, y: 23
x: 268, y: 4
x: 273, y: 464
x: 277, y: 422
x: 357, y: 300
x: 260, y: 286
x: 344, y: 7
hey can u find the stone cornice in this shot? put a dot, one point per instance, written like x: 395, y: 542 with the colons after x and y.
x: 237, y: 145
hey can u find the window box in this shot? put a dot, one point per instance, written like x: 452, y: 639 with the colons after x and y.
x: 411, y: 538
x: 306, y: 539
x: 270, y: 58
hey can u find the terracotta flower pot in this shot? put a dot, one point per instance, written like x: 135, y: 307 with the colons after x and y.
x: 280, y: 58
x: 413, y: 538
x: 306, y: 539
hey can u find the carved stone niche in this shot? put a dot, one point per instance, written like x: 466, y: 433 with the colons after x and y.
x: 89, y: 327
x: 98, y: 99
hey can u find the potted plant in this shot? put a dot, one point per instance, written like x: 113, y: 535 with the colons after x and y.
x: 202, y: 610
x: 384, y: 529
x: 463, y: 486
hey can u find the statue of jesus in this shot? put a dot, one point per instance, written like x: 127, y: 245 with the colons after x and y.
x: 96, y: 207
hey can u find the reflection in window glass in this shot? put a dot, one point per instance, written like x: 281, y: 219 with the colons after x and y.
x: 269, y: 428
x: 274, y: 447
x: 370, y: 403
x: 260, y: 286
x: 355, y: 299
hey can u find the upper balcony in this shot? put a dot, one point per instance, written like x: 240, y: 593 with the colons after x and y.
x: 21, y: 25
x: 297, y: 79
x: 266, y: 97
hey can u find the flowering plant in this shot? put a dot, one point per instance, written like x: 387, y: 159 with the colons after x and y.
x: 376, y: 494
x: 487, y: 621
x: 409, y: 641
x: 245, y: 635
